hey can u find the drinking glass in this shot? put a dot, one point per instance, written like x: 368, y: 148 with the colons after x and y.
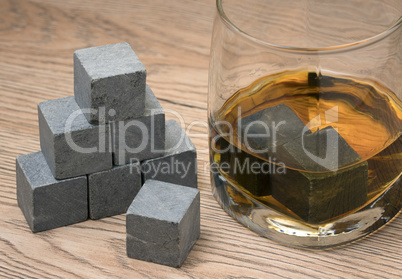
x: 305, y: 117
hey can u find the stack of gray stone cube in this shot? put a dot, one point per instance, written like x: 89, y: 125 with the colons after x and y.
x: 98, y: 148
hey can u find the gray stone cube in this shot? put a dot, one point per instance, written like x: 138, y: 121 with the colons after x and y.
x: 112, y: 77
x: 179, y: 163
x: 322, y: 150
x: 46, y: 202
x: 317, y: 197
x: 163, y: 223
x: 111, y: 192
x: 72, y: 146
x: 238, y: 163
x: 140, y: 138
x: 264, y: 131
x: 313, y: 192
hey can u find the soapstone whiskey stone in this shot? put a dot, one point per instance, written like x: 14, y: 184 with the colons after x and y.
x: 179, y: 163
x: 264, y: 131
x: 110, y: 77
x: 249, y: 172
x: 320, y: 181
x: 163, y: 223
x: 326, y: 183
x: 143, y: 137
x: 46, y: 202
x: 111, y: 192
x: 72, y: 146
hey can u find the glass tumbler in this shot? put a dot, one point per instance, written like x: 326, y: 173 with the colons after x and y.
x: 305, y: 117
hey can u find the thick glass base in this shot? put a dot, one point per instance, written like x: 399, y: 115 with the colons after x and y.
x: 293, y: 232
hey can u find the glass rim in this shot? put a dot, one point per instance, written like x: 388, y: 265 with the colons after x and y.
x: 366, y: 41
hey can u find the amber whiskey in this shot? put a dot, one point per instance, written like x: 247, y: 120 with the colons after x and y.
x: 313, y: 147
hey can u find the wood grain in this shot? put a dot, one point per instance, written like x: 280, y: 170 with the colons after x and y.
x: 172, y: 38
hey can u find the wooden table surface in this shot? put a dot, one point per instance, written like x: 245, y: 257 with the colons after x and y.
x: 172, y: 38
